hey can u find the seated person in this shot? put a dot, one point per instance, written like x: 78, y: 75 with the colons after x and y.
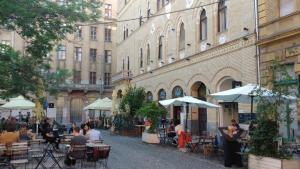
x: 49, y: 134
x: 171, y: 130
x: 25, y: 134
x: 76, y: 140
x: 10, y: 135
x: 94, y: 135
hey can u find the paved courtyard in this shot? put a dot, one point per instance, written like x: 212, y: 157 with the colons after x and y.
x: 132, y: 153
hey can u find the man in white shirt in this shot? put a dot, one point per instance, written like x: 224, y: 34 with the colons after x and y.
x: 94, y: 135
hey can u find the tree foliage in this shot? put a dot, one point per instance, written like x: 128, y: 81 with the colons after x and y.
x: 132, y: 101
x: 154, y: 112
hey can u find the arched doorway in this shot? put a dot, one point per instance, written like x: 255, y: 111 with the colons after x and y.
x: 177, y: 92
x: 198, y: 91
x: 162, y: 95
x: 76, y: 108
x: 119, y: 94
x: 149, y: 96
x: 229, y: 109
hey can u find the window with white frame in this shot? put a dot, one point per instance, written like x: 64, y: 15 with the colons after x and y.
x: 93, y: 33
x: 93, y: 55
x: 107, y: 34
x: 78, y: 33
x: 78, y: 54
x: 61, y: 52
x: 108, y: 11
x: 286, y: 7
x: 92, y: 78
x: 107, y: 79
x: 107, y: 56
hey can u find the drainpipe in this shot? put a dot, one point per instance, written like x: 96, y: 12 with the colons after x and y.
x: 257, y: 38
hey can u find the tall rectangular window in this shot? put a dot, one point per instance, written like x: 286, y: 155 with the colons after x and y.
x: 203, y: 25
x: 92, y: 77
x: 222, y: 16
x: 108, y: 11
x: 61, y: 52
x: 107, y: 79
x: 93, y: 55
x: 78, y: 33
x: 77, y: 77
x: 78, y: 54
x: 107, y: 35
x: 286, y: 7
x: 93, y: 33
x: 107, y: 57
x: 141, y: 58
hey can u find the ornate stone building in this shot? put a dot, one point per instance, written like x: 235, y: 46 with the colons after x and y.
x: 175, y: 47
x: 279, y: 39
x: 87, y: 54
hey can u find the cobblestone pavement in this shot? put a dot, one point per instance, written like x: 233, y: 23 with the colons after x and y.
x: 131, y: 153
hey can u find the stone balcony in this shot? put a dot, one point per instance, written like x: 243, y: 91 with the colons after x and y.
x: 120, y: 76
x: 85, y: 87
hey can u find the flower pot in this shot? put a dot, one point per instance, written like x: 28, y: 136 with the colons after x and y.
x: 258, y: 162
x: 150, y: 138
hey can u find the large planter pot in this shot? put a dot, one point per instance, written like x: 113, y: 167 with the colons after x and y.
x: 257, y: 162
x: 150, y: 138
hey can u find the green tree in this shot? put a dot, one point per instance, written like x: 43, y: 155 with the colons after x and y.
x: 41, y: 23
x: 154, y: 112
x: 132, y: 101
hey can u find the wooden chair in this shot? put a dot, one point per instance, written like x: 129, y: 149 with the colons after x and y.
x: 19, y: 154
x: 78, y: 153
x: 103, y: 155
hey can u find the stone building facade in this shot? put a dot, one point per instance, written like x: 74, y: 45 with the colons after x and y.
x: 279, y: 39
x: 174, y: 48
x: 87, y: 54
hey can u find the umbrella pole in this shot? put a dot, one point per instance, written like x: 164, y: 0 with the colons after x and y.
x: 251, y: 112
x: 187, y: 112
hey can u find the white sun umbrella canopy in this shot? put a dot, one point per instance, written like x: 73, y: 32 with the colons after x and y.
x: 181, y: 101
x: 19, y: 103
x: 248, y: 94
x: 100, y: 104
x: 187, y: 101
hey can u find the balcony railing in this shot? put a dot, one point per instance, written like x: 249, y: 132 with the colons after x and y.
x: 123, y: 75
x: 86, y: 87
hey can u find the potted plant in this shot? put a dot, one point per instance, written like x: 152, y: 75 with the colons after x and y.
x: 266, y: 149
x: 153, y: 112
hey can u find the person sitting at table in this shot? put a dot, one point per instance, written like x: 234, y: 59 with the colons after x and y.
x: 86, y: 130
x: 230, y: 135
x: 10, y: 135
x: 94, y: 135
x: 76, y: 140
x: 171, y: 130
x: 72, y: 128
x: 25, y: 134
x: 49, y: 134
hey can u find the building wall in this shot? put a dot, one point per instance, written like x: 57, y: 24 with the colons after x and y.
x: 230, y: 55
x: 84, y: 92
x: 279, y: 37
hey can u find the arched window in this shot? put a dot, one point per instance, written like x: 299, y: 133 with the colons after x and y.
x: 149, y: 96
x: 141, y: 58
x: 162, y: 94
x: 177, y: 92
x: 182, y: 37
x: 148, y: 54
x: 160, y: 46
x: 203, y: 25
x: 222, y: 16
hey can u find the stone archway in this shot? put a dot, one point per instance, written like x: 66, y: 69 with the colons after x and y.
x: 229, y: 109
x: 199, y: 115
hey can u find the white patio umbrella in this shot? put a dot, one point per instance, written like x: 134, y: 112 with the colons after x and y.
x: 187, y: 101
x: 99, y: 104
x: 248, y: 94
x: 19, y: 103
